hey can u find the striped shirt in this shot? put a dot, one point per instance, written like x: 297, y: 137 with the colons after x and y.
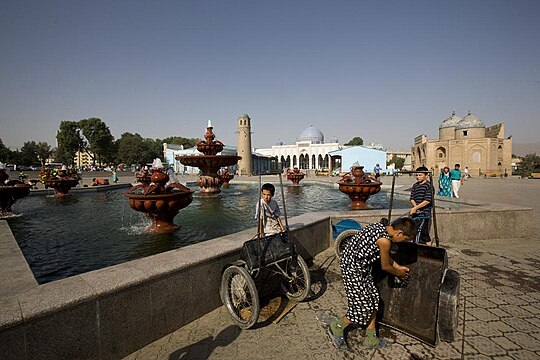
x: 421, y: 192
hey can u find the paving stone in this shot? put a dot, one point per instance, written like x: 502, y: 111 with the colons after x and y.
x: 481, y: 314
x: 483, y: 328
x: 482, y: 302
x: 520, y: 325
x: 485, y: 346
x: 524, y: 340
x: 524, y: 355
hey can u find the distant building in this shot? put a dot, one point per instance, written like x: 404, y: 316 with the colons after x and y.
x: 468, y: 142
x: 407, y: 165
x: 364, y: 156
x: 310, y: 152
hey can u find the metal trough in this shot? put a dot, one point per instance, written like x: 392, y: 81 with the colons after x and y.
x: 425, y: 307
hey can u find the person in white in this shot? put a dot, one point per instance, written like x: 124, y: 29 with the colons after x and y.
x: 269, y: 223
x: 466, y: 171
x: 457, y: 180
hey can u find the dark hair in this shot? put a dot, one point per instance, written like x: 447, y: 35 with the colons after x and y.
x: 405, y: 224
x: 269, y: 187
x: 457, y: 165
x: 422, y: 169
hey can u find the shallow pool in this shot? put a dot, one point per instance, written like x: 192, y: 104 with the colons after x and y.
x: 89, y: 231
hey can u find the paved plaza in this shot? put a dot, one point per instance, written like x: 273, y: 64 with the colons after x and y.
x: 499, y: 305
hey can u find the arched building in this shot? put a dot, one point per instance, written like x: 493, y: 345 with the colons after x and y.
x: 468, y: 142
x: 310, y: 152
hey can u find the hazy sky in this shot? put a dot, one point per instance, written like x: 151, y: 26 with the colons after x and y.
x: 386, y: 71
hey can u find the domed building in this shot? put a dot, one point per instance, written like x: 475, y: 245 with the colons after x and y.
x: 310, y: 152
x: 468, y: 142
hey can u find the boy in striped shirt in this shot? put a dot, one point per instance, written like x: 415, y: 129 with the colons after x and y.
x: 421, y: 200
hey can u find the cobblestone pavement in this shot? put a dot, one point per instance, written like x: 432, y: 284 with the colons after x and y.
x: 500, y: 302
x: 499, y: 311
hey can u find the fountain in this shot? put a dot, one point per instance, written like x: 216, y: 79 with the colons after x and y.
x: 10, y: 192
x: 225, y: 177
x: 295, y: 176
x: 209, y: 163
x: 61, y: 181
x: 159, y: 201
x: 358, y: 186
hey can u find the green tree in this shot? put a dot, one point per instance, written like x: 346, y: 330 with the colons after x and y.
x: 6, y: 155
x: 131, y: 149
x: 355, y: 141
x: 97, y: 140
x: 529, y: 163
x: 178, y: 140
x: 398, y: 161
x: 69, y: 142
x: 28, y: 153
x: 43, y: 152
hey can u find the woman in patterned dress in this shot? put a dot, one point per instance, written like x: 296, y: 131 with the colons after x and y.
x: 445, y: 183
x: 359, y: 253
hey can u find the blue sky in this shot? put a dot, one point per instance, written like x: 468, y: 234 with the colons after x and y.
x: 386, y: 71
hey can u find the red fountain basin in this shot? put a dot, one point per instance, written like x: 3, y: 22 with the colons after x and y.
x: 10, y: 194
x: 225, y: 178
x: 61, y: 186
x: 295, y: 178
x: 209, y: 181
x: 359, y: 193
x: 161, y: 208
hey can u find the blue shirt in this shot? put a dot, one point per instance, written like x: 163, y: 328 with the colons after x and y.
x: 455, y: 174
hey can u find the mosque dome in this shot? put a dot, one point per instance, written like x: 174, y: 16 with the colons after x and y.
x: 314, y: 135
x: 470, y: 121
x: 450, y: 121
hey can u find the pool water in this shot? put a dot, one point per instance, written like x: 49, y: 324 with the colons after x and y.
x: 89, y: 231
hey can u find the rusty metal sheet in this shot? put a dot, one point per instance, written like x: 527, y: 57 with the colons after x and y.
x: 412, y: 307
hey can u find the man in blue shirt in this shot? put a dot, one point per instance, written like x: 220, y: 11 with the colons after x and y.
x: 457, y: 180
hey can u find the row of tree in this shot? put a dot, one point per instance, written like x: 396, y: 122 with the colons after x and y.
x: 92, y: 136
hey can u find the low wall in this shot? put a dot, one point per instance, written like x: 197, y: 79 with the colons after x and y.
x: 111, y: 312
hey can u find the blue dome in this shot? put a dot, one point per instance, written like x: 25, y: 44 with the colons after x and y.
x: 311, y: 134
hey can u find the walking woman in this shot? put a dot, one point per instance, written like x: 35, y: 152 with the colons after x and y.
x: 445, y: 183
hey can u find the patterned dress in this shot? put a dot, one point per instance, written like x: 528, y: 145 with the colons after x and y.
x: 446, y: 185
x: 359, y: 253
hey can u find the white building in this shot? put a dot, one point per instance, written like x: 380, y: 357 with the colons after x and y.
x: 310, y: 152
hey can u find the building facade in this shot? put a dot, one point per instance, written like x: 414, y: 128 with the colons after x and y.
x: 310, y: 152
x: 468, y: 142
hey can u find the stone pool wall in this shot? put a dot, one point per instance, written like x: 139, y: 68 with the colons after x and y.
x: 111, y: 312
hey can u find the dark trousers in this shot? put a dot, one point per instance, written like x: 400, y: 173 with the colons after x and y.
x: 423, y: 224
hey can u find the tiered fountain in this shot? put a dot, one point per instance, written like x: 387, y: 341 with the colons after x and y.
x: 225, y: 177
x: 61, y: 181
x: 10, y: 192
x: 209, y: 163
x: 159, y: 201
x: 295, y: 176
x: 358, y: 186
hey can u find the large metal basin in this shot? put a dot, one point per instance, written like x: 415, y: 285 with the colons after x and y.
x: 426, y: 307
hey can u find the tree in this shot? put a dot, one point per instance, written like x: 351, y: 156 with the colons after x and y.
x: 43, y: 152
x: 28, y: 153
x: 6, y: 155
x: 131, y: 149
x: 178, y: 140
x: 69, y: 142
x: 529, y: 163
x: 355, y: 141
x: 398, y: 161
x: 97, y: 140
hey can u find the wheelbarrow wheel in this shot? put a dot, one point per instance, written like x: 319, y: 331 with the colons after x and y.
x: 340, y: 240
x: 240, y: 297
x: 298, y: 284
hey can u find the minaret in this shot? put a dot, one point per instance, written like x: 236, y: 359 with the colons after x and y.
x: 245, y: 166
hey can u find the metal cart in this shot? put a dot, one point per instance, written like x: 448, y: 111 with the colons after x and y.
x: 266, y: 262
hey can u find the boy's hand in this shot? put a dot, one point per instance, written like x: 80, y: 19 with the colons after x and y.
x: 412, y: 211
x: 403, y: 272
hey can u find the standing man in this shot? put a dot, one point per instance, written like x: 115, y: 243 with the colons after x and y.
x: 457, y: 180
x: 377, y: 171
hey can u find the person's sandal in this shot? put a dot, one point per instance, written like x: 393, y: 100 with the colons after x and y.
x: 338, y: 341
